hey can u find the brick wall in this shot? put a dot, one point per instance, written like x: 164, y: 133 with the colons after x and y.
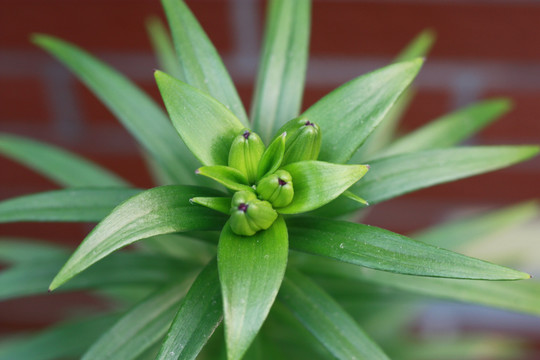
x: 484, y: 48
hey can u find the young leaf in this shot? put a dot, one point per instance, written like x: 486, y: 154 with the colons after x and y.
x: 401, y: 174
x: 521, y: 296
x: 325, y: 319
x: 161, y: 210
x: 350, y: 113
x: 449, y: 129
x: 221, y: 204
x: 199, y: 315
x: 317, y: 183
x: 75, y: 337
x: 206, y: 126
x: 280, y: 82
x: 136, y: 110
x: 250, y: 271
x: 228, y: 176
x: 64, y: 168
x: 418, y: 47
x: 272, y: 157
x: 77, y: 205
x: 141, y: 327
x: 383, y: 250
x: 163, y: 48
x: 454, y: 234
x: 199, y: 60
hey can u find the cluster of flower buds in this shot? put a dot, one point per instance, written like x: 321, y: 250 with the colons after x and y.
x: 255, y: 211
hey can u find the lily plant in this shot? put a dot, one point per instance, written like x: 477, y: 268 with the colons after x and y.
x: 250, y: 206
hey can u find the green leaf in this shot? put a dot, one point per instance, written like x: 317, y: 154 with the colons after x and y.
x: 325, y: 319
x: 161, y: 210
x: 75, y: 337
x: 228, y: 176
x: 250, y: 271
x: 77, y: 205
x: 31, y: 278
x: 454, y: 234
x: 199, y: 315
x: 401, y: 174
x: 384, y: 250
x: 350, y: 113
x: 450, y: 129
x: 221, y: 204
x: 199, y: 60
x: 18, y: 250
x: 206, y: 126
x: 282, y: 71
x: 418, y: 47
x: 136, y: 110
x: 141, y: 327
x: 163, y: 48
x: 184, y: 246
x: 61, y: 166
x: 317, y: 183
x: 272, y: 157
x: 521, y: 296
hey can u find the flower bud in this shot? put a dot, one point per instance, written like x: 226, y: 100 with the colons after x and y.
x: 249, y: 214
x: 303, y: 141
x: 246, y: 151
x: 276, y: 189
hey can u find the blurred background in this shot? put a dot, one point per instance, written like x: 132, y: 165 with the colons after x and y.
x: 483, y: 49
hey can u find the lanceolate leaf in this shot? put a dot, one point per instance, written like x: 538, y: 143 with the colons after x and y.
x: 141, y: 327
x: 64, y: 168
x: 221, y: 204
x: 199, y: 315
x: 454, y: 234
x: 19, y: 250
x: 163, y: 48
x: 325, y: 319
x: 282, y: 71
x: 250, y: 271
x: 350, y: 113
x: 75, y: 337
x: 317, y: 183
x: 401, y: 174
x: 77, y: 205
x: 206, y: 126
x: 383, y: 250
x: 449, y: 129
x: 521, y: 296
x: 161, y: 210
x: 199, y: 60
x: 136, y: 110
x: 228, y: 176
x: 418, y: 47
x: 31, y: 278
x: 272, y: 157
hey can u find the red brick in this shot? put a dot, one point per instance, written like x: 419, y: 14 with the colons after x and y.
x: 425, y: 107
x: 521, y: 125
x: 101, y: 25
x: 23, y: 99
x: 487, y: 30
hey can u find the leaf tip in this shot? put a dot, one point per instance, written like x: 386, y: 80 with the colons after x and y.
x: 198, y: 171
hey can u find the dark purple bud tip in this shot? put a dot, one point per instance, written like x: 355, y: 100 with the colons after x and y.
x: 282, y: 182
x: 309, y: 123
x: 243, y: 207
x: 246, y: 134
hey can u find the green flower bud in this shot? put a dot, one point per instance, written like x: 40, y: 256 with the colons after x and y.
x: 246, y: 151
x: 303, y: 140
x: 249, y: 214
x: 276, y: 189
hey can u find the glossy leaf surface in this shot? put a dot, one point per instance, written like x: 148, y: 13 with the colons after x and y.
x: 227, y: 176
x: 384, y: 250
x: 350, y: 113
x: 221, y: 204
x: 161, y: 210
x: 250, y: 271
x: 280, y: 82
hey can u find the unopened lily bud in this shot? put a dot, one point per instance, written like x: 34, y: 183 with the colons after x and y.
x: 249, y: 214
x: 303, y: 141
x: 245, y: 154
x: 277, y: 189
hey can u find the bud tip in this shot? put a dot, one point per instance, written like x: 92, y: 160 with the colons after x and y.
x: 246, y: 134
x: 368, y: 167
x: 198, y: 171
